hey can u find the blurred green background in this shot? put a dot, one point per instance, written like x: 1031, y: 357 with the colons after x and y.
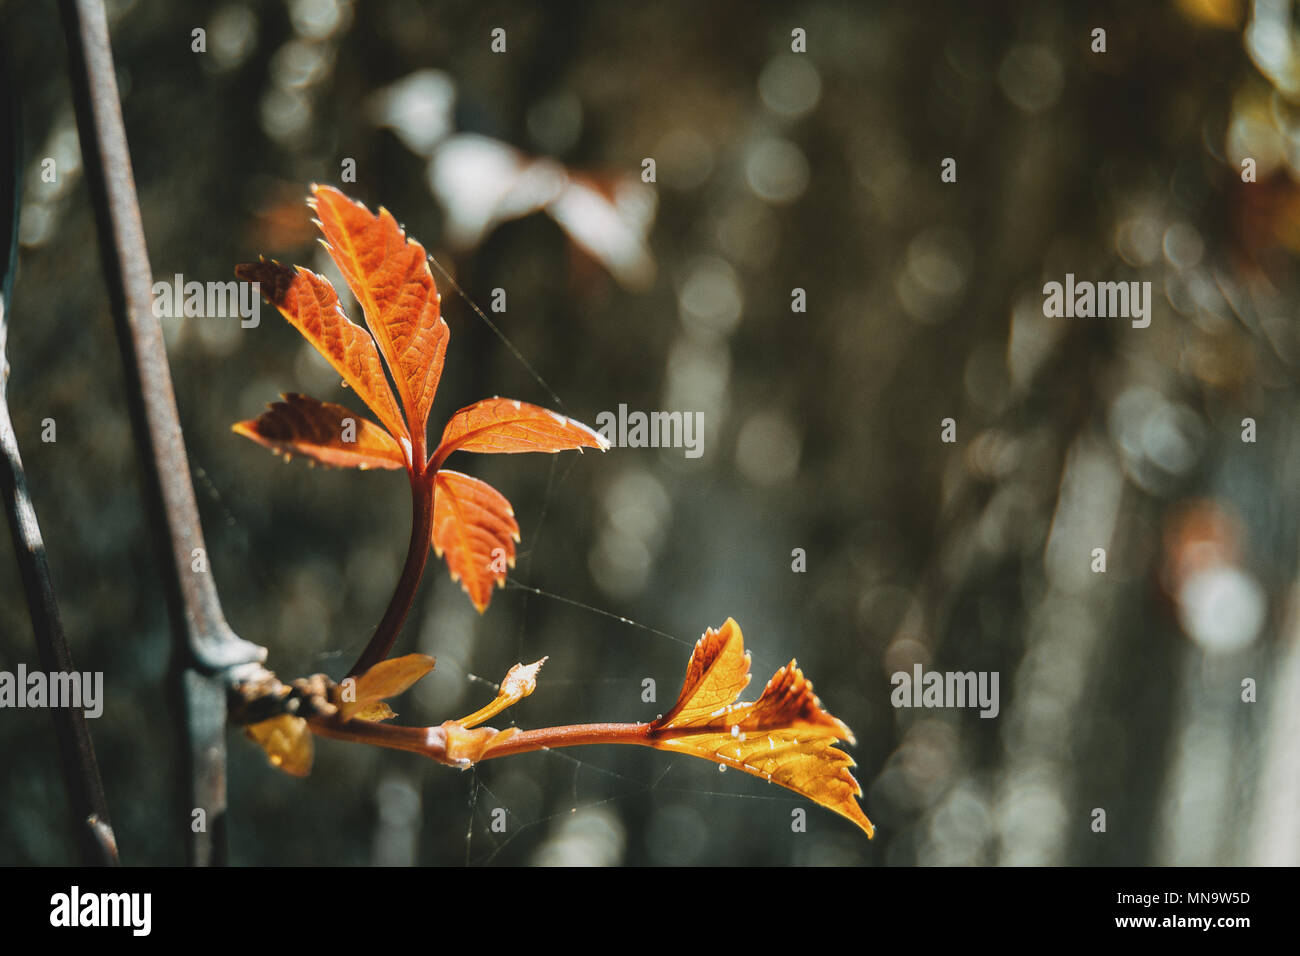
x: 775, y: 170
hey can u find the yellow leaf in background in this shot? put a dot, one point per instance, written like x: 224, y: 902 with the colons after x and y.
x: 287, y: 742
x: 1223, y: 14
x: 784, y: 737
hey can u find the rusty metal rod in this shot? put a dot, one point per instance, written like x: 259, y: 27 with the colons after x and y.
x: 92, y: 829
x: 205, y: 646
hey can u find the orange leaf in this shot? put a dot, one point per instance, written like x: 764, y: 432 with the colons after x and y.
x: 784, y: 737
x: 311, y: 306
x: 389, y: 274
x: 475, y: 528
x: 301, y: 425
x: 521, y: 680
x: 505, y: 426
x: 287, y: 742
x: 362, y: 701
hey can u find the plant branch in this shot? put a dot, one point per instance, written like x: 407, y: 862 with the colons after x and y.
x: 429, y: 741
x: 432, y: 741
x: 572, y: 735
x: 417, y: 556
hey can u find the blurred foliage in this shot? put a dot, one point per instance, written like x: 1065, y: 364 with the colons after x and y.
x: 776, y: 171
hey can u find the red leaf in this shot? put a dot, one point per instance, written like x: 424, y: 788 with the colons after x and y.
x: 312, y: 307
x: 301, y: 425
x: 505, y: 426
x: 475, y: 528
x: 389, y: 274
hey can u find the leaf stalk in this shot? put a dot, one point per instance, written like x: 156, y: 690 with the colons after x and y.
x: 417, y: 556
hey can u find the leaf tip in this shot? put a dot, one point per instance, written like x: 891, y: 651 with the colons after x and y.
x: 322, y: 189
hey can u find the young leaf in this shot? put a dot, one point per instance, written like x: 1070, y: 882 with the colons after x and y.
x: 784, y: 737
x: 311, y: 306
x: 475, y: 528
x: 376, y: 710
x: 386, y: 679
x: 505, y: 426
x: 465, y: 747
x: 301, y: 425
x: 389, y: 275
x: 521, y: 680
x: 287, y: 742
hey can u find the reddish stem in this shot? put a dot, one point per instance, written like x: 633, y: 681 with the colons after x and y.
x: 416, y: 557
x: 573, y: 735
x: 432, y: 741
x: 429, y: 741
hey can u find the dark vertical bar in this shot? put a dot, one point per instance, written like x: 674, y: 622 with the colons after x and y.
x: 205, y: 643
x: 91, y: 827
x: 94, y: 833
